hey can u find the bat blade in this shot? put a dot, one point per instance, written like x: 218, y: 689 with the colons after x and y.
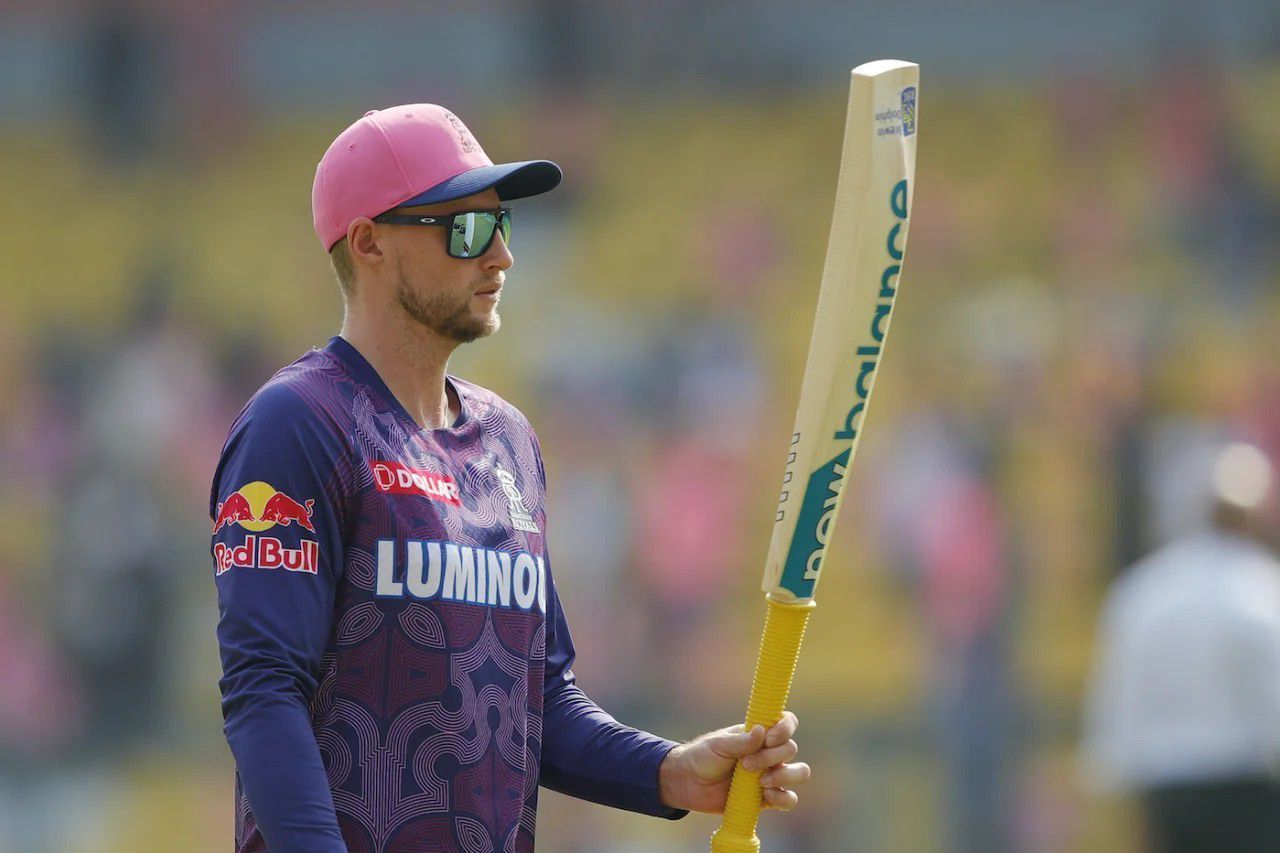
x: 855, y: 304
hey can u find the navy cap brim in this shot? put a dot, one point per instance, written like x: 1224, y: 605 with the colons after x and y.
x: 511, y: 180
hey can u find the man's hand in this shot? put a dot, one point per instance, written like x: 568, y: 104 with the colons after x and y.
x: 695, y: 775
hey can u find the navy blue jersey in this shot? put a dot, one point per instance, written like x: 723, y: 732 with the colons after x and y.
x: 396, y: 665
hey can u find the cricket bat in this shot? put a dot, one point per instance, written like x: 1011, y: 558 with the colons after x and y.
x: 855, y: 304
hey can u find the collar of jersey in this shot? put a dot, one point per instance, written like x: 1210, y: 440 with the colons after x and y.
x: 362, y: 371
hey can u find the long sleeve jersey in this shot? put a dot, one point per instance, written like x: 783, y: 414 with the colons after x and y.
x: 396, y: 664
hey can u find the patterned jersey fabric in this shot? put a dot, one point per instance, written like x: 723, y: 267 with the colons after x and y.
x: 396, y: 665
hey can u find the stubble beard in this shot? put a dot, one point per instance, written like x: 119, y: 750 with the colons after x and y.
x: 447, y: 315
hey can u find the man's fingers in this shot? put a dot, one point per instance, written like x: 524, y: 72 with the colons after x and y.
x: 786, y: 776
x: 783, y: 730
x: 780, y: 799
x: 766, y: 758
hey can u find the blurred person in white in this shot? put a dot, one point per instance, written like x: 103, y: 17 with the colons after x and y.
x: 1185, y: 703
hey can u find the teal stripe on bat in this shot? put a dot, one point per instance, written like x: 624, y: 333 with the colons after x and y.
x: 813, y: 527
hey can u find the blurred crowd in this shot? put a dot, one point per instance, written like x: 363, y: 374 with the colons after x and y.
x: 1089, y: 314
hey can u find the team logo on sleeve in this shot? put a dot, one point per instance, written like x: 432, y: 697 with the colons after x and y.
x: 257, y: 507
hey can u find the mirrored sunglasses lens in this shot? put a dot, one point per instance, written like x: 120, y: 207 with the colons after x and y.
x: 471, y: 234
x: 462, y: 235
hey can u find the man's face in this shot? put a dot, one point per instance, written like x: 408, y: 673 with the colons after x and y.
x: 457, y: 298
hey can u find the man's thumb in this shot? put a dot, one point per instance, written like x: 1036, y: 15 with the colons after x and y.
x: 738, y: 744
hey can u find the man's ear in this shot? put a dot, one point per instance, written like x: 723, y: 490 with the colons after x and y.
x: 363, y: 243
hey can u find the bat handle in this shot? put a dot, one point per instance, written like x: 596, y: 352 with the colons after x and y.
x: 779, y: 647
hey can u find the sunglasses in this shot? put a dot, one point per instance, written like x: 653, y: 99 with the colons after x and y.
x: 469, y: 233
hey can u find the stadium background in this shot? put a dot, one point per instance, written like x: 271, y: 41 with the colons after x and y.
x: 1090, y: 302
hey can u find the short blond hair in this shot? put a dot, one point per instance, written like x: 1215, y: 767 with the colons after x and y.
x: 343, y: 268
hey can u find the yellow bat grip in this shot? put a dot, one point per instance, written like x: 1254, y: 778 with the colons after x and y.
x: 779, y: 647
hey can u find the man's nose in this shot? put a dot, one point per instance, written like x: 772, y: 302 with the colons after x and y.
x: 499, y: 256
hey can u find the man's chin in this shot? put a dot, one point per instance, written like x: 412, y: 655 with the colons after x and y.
x: 491, y: 321
x: 483, y: 327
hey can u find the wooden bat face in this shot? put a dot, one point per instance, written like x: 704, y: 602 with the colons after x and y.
x: 855, y: 304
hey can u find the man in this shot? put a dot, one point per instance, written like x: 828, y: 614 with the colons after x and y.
x: 1185, y: 709
x: 396, y: 663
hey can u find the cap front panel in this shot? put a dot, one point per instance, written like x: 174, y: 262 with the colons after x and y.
x: 433, y: 145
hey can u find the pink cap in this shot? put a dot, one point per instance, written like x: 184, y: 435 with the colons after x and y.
x: 411, y: 154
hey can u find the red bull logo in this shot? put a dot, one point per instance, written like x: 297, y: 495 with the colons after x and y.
x: 259, y: 506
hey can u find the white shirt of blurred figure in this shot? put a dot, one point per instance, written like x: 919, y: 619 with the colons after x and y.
x: 1187, y: 682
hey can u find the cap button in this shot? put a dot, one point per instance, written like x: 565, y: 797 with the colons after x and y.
x: 371, y: 112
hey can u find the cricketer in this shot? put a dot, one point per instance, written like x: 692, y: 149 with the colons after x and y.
x: 397, y: 668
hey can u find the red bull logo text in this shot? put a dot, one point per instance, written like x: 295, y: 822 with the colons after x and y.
x: 259, y: 506
x: 397, y: 479
x: 267, y: 552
